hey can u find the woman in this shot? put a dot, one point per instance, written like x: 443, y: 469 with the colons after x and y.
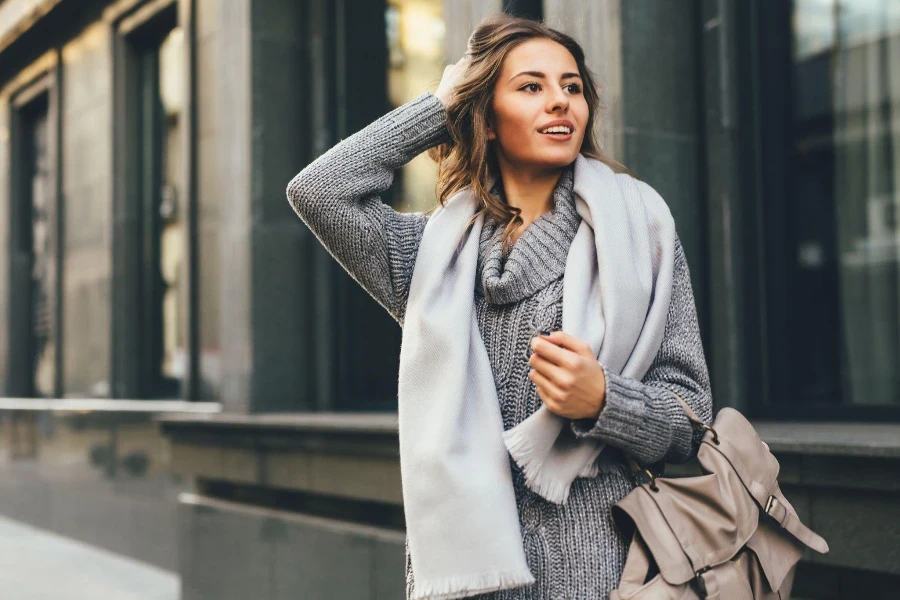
x: 508, y: 125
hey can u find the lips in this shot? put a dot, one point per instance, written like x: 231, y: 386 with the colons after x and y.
x: 559, y: 127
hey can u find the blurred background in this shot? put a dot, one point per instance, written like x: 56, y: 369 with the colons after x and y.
x: 198, y: 403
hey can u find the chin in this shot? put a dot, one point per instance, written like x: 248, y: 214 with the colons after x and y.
x: 554, y: 160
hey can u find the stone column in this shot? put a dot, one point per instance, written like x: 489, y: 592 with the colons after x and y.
x: 251, y: 140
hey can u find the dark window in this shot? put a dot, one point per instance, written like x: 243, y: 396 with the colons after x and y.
x: 152, y: 308
x: 830, y: 163
x: 34, y: 253
x: 163, y: 235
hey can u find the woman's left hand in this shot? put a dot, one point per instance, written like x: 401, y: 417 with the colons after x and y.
x: 569, y: 378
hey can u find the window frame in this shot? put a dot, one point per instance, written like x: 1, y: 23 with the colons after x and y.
x: 40, y: 83
x: 765, y: 169
x: 139, y: 26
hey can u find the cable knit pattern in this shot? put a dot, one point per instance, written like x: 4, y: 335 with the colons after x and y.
x: 573, y: 550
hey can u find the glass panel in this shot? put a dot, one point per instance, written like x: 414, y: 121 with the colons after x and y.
x: 171, y: 246
x: 846, y: 186
x: 415, y: 35
x: 43, y: 359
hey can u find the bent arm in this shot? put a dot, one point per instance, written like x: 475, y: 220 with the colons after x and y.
x: 644, y: 418
x: 337, y: 197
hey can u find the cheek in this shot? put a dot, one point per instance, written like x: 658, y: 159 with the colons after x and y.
x: 512, y: 128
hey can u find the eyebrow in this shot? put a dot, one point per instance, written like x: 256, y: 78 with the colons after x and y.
x: 541, y: 75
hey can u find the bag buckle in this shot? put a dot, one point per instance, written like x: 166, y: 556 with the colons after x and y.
x: 642, y: 475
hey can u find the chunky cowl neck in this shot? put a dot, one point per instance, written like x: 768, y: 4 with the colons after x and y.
x: 537, y: 257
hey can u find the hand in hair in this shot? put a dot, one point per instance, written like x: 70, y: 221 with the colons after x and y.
x: 452, y: 76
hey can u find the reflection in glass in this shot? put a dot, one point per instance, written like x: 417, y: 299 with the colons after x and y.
x: 415, y: 36
x: 847, y: 144
x: 41, y: 344
x: 101, y: 477
x: 171, y: 230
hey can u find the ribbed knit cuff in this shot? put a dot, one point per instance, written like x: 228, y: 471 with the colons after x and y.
x: 621, y: 411
x: 421, y: 123
x: 634, y: 420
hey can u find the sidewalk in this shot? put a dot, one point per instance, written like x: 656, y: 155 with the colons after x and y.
x: 39, y: 565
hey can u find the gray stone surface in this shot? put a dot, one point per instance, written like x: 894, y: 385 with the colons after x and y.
x: 97, y: 477
x: 348, y: 456
x: 230, y: 551
x: 87, y: 192
x: 846, y: 439
x: 221, y: 555
x: 667, y: 160
x: 461, y: 19
x: 660, y: 124
x: 862, y: 529
x: 385, y: 423
x: 39, y: 565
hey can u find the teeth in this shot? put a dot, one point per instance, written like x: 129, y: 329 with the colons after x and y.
x: 557, y: 129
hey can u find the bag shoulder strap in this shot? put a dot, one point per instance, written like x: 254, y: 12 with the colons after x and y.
x: 696, y: 421
x: 643, y: 475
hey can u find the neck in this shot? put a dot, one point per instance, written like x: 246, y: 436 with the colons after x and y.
x: 528, y: 190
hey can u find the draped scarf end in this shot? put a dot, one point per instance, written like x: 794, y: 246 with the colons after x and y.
x: 451, y: 588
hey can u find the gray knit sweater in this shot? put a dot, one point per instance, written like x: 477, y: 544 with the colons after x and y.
x: 573, y: 550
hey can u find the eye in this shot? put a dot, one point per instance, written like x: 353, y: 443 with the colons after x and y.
x: 574, y: 88
x: 530, y: 85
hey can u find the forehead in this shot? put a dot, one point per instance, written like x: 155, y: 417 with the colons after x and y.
x: 542, y: 55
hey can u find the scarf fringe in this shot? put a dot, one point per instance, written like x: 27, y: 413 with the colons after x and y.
x: 452, y: 588
x: 540, y: 480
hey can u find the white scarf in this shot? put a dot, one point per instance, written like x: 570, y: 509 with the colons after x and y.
x: 461, y: 517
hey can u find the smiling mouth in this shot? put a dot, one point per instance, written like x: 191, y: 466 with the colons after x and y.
x: 560, y: 130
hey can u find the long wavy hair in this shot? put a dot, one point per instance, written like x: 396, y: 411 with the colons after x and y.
x: 469, y: 159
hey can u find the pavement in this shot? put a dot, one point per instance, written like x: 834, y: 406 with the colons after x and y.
x: 39, y: 565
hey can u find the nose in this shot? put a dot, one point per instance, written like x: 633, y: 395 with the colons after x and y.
x: 557, y: 101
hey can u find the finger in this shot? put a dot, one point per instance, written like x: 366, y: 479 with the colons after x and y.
x: 560, y: 377
x: 548, y: 350
x: 546, y: 386
x: 551, y: 404
x: 570, y: 342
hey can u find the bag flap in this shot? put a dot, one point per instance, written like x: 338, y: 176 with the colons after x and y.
x: 776, y: 551
x: 712, y: 516
x: 634, y: 585
x: 748, y: 455
x: 750, y: 459
x: 639, y: 509
x: 691, y: 522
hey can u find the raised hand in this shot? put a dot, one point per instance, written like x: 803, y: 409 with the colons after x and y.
x: 452, y: 76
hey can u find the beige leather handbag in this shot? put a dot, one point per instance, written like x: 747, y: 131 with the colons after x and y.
x: 728, y: 534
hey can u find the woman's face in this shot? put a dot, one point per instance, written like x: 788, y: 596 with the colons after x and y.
x: 538, y: 88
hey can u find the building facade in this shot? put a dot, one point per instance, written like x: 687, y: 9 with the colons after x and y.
x: 150, y: 252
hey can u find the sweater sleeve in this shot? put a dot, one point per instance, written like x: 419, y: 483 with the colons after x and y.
x: 643, y: 418
x: 337, y: 197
